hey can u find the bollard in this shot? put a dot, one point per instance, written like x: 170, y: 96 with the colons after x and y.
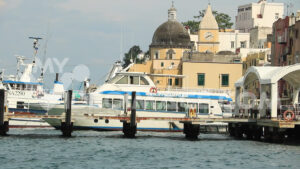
x: 129, y: 129
x: 67, y: 125
x: 3, y: 123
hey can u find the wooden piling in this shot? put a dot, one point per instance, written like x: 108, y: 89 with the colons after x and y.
x: 67, y: 124
x: 3, y: 122
x: 129, y: 129
x: 191, y: 131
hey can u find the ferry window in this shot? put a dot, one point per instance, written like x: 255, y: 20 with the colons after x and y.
x: 160, y: 105
x: 118, y: 104
x: 203, y: 108
x: 171, y: 106
x: 134, y: 80
x: 18, y: 87
x: 123, y: 80
x: 182, y: 107
x: 28, y: 87
x: 144, y: 81
x: 106, y: 103
x: 149, y: 105
x: 201, y: 79
x: 225, y: 79
x: 140, y: 104
x: 193, y: 105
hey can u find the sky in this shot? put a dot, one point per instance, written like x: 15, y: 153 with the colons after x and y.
x: 94, y: 33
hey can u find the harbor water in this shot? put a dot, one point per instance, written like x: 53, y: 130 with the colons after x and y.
x: 45, y: 148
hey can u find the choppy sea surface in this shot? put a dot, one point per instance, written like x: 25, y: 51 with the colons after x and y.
x: 45, y: 148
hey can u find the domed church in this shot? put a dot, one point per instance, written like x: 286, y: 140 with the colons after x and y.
x: 174, y: 61
x: 170, y: 40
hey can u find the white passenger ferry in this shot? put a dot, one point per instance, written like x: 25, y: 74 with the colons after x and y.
x: 109, y: 99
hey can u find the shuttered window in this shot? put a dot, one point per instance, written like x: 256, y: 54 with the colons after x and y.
x: 225, y: 79
x: 201, y: 79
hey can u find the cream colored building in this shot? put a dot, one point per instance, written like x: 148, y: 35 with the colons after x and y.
x: 260, y: 14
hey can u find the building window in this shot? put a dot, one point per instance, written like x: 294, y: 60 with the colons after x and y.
x: 296, y: 34
x: 170, y: 54
x: 156, y: 55
x: 176, y: 81
x: 276, y: 15
x: 201, y: 79
x: 232, y: 44
x: 225, y: 79
x: 162, y: 64
x: 243, y: 44
x: 170, y: 82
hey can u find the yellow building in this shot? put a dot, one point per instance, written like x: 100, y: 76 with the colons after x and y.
x: 174, y: 64
x: 208, y: 34
x: 211, y: 71
x: 256, y: 59
x: 169, y: 42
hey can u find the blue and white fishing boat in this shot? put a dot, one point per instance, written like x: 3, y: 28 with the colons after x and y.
x: 23, y: 90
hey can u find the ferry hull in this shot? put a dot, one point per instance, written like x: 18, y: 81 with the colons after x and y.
x: 87, y: 123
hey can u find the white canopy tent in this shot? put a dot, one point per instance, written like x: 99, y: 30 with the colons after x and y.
x: 270, y: 75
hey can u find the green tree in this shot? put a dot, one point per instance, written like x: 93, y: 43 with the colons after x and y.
x: 223, y: 20
x: 193, y: 25
x: 131, y: 56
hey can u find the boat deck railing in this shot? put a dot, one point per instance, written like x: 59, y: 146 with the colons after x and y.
x: 178, y: 89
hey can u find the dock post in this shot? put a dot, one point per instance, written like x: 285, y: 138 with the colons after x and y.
x: 231, y: 130
x: 129, y: 129
x: 191, y: 131
x: 3, y: 122
x: 67, y: 125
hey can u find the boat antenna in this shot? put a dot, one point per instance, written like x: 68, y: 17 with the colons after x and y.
x: 35, y: 47
x: 121, y: 44
x: 45, y: 52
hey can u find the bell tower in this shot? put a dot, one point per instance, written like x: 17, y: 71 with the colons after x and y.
x: 208, y: 34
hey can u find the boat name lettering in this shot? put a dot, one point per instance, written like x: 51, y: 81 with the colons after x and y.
x: 16, y: 93
x: 168, y: 95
